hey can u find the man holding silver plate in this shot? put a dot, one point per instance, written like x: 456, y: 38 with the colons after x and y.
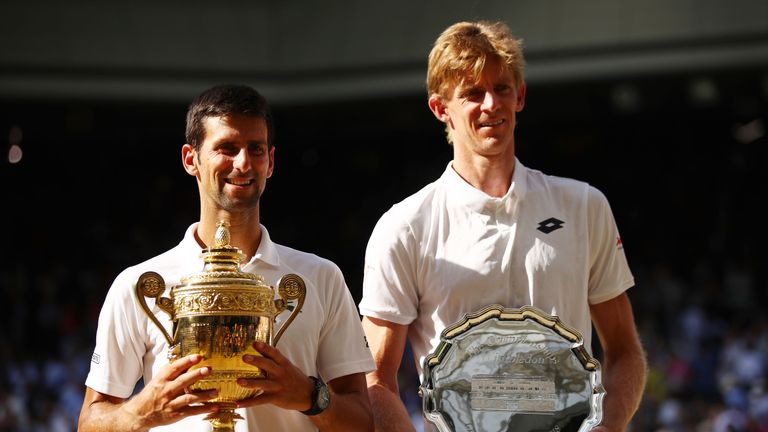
x: 496, y: 272
x: 308, y: 376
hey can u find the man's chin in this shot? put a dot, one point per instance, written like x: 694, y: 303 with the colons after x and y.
x: 241, y: 204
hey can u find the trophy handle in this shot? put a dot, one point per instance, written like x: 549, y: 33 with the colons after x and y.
x: 151, y: 284
x: 290, y: 287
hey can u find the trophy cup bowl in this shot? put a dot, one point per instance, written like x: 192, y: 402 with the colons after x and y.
x: 219, y: 313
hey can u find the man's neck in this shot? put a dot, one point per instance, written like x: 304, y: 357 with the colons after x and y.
x: 492, y: 176
x: 244, y: 231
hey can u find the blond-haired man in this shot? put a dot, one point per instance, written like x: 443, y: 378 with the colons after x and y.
x: 491, y: 230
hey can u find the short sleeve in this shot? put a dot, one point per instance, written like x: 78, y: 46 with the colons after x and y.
x: 390, y: 290
x: 609, y: 273
x: 342, y: 348
x: 116, y: 363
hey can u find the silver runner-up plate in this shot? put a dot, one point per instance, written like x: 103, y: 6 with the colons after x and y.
x: 501, y: 369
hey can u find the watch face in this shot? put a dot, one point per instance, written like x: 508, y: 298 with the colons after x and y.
x: 323, y: 397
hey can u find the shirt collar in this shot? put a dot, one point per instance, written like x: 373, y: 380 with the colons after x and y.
x: 190, y: 246
x: 477, y: 200
x: 267, y: 252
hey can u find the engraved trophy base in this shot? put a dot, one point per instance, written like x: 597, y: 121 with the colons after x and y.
x: 511, y: 369
x: 224, y: 420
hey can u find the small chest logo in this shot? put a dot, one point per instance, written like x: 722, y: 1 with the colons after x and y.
x: 549, y: 225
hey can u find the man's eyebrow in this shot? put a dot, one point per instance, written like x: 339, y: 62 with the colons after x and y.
x: 223, y: 141
x: 467, y: 86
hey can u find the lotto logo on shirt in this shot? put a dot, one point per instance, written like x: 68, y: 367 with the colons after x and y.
x: 95, y: 358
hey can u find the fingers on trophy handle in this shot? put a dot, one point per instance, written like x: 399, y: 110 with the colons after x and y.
x: 290, y: 287
x: 152, y: 285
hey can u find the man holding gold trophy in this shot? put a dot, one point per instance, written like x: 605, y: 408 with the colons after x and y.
x: 491, y: 231
x: 310, y: 375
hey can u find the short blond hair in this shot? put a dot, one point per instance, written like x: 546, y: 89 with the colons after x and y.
x: 465, y: 47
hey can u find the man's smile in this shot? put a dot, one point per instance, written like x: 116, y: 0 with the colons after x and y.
x: 238, y: 182
x: 492, y: 123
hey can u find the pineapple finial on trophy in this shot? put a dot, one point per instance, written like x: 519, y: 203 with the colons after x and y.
x: 222, y: 256
x: 222, y: 238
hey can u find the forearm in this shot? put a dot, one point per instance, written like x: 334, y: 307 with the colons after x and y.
x: 624, y: 364
x: 624, y: 380
x: 387, y: 340
x: 163, y: 400
x: 389, y: 412
x: 347, y: 412
x: 109, y: 417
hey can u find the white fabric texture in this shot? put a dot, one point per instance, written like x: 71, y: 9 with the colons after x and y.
x: 451, y: 249
x: 325, y: 339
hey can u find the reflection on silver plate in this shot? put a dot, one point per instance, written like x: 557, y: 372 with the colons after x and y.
x: 520, y: 370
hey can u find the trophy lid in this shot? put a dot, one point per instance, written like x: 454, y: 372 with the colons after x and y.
x: 222, y: 263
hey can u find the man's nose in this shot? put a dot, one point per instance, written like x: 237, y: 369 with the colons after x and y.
x: 243, y: 160
x: 490, y: 101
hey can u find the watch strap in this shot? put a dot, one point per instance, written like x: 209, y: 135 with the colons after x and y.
x: 320, y: 397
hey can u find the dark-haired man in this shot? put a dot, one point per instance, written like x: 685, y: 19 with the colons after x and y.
x: 229, y: 151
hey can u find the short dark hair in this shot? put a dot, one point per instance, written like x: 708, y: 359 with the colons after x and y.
x: 226, y: 100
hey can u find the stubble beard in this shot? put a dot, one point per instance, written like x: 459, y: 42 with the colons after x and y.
x: 237, y: 205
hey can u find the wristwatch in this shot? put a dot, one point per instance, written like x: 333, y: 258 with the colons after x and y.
x: 321, y: 398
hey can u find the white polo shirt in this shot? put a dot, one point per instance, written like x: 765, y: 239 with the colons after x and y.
x: 451, y: 249
x: 325, y: 339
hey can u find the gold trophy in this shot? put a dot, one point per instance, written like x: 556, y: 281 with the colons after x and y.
x: 218, y: 313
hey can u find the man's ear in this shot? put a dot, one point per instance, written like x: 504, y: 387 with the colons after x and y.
x: 271, y: 168
x: 520, y: 97
x: 438, y: 108
x: 189, y: 159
